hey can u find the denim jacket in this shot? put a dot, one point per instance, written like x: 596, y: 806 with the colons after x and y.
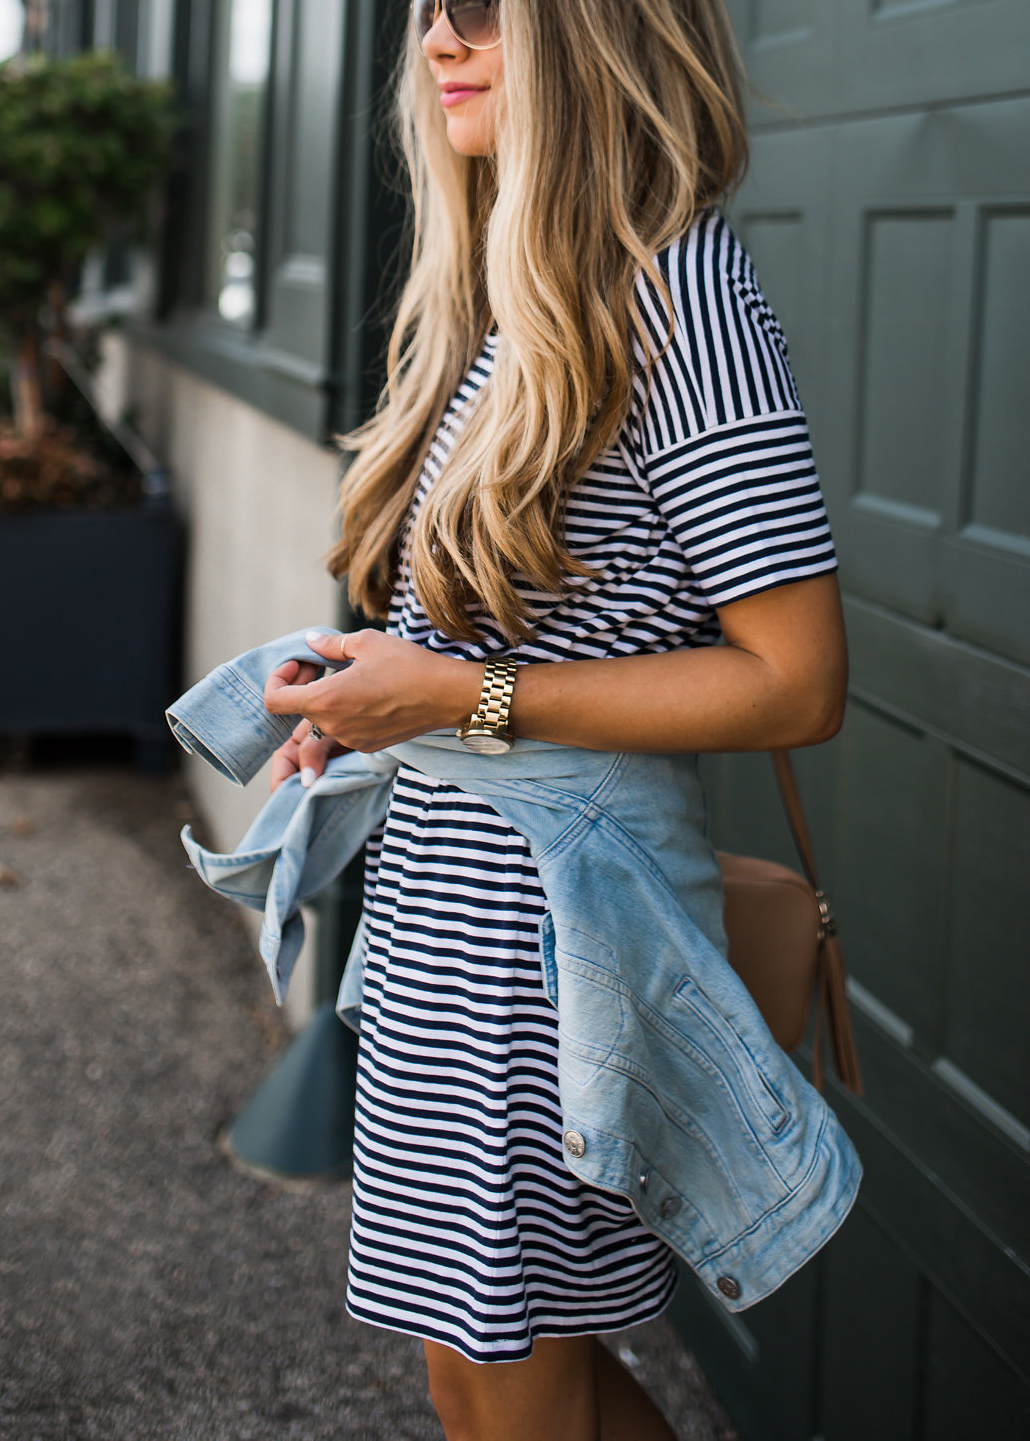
x: 673, y: 1092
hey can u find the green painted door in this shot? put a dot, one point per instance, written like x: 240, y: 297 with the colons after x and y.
x: 888, y: 212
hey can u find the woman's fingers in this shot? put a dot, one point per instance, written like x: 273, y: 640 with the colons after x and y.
x: 297, y: 672
x: 285, y: 763
x: 303, y: 753
x: 283, y: 686
x: 333, y: 647
x: 313, y: 754
x: 287, y: 688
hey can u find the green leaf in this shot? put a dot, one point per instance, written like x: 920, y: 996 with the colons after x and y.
x: 82, y: 143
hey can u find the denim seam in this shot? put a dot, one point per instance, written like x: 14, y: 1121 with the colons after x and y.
x: 688, y: 1123
x: 792, y: 1195
x: 777, y: 1101
x: 762, y: 1147
x: 692, y: 1129
x: 589, y: 812
x: 243, y: 694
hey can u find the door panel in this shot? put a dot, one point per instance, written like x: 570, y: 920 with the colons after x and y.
x: 902, y: 450
x: 1001, y: 419
x: 891, y: 232
x: 985, y: 564
x: 788, y: 47
x: 772, y: 1345
x: 971, y: 1391
x: 915, y: 285
x: 892, y: 856
x: 968, y: 697
x: 782, y: 219
x: 914, y: 54
x: 987, y: 1005
x: 850, y: 57
x: 865, y: 1268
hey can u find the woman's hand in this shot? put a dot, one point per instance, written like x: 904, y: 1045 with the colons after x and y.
x: 392, y: 690
x: 303, y: 753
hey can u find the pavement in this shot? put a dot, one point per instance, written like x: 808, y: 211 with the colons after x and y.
x: 149, y: 1291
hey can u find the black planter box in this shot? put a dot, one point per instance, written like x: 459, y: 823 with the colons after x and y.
x: 89, y: 607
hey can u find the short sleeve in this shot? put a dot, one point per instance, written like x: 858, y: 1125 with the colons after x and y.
x: 720, y: 439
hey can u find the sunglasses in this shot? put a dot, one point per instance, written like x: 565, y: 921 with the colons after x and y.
x: 476, y: 24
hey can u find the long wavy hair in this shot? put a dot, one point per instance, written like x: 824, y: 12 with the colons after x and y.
x: 622, y: 119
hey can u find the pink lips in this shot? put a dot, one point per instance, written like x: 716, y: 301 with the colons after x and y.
x: 455, y: 94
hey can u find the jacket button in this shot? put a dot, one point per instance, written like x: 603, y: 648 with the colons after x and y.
x: 574, y: 1143
x: 671, y: 1206
x: 728, y: 1287
x: 645, y: 1176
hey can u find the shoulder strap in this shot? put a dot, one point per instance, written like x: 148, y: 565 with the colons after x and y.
x: 791, y: 797
x: 832, y: 996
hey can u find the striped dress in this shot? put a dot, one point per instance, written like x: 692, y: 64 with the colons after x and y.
x: 468, y: 1228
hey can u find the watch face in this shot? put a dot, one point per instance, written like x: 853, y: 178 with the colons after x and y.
x: 486, y: 743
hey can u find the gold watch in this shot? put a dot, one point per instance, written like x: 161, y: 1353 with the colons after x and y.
x: 486, y: 730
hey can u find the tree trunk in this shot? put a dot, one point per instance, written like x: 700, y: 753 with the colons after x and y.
x: 56, y: 376
x: 25, y: 386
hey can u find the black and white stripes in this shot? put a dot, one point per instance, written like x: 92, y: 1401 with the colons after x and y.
x: 468, y: 1227
x: 727, y: 359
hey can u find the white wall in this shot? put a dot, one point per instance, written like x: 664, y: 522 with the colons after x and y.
x: 12, y: 23
x: 258, y: 501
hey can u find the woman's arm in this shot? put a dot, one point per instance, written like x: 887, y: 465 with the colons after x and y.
x: 778, y: 681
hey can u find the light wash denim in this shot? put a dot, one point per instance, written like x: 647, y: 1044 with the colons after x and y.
x: 674, y: 1094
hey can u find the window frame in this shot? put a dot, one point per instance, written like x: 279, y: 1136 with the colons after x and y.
x: 323, y: 374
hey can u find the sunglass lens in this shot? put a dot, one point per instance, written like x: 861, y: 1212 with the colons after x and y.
x: 476, y: 22
x: 423, y: 12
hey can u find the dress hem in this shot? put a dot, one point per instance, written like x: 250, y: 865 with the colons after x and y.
x: 544, y: 1331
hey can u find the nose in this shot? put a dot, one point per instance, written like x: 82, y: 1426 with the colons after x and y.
x: 440, y: 42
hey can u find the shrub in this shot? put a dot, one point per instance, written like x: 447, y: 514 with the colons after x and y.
x: 82, y: 143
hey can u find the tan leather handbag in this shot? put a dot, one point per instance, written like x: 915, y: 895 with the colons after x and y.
x: 783, y: 943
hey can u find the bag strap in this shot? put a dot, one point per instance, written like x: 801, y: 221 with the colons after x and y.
x: 832, y: 996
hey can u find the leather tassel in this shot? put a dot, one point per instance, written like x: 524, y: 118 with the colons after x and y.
x: 834, y: 996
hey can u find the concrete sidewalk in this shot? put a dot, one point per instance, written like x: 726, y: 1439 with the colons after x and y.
x: 147, y: 1290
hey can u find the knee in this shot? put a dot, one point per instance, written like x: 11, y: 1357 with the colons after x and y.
x: 550, y: 1396
x: 453, y: 1402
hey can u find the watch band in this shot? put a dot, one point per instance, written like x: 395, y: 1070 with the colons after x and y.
x: 495, y: 697
x: 486, y: 730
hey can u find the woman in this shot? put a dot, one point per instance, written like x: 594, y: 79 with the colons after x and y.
x: 590, y: 456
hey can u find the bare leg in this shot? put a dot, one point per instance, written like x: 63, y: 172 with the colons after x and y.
x: 570, y: 1389
x: 627, y: 1412
x: 552, y: 1396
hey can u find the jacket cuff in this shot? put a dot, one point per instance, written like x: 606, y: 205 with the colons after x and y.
x: 225, y: 723
x: 223, y: 720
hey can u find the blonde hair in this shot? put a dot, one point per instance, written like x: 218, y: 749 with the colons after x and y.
x: 623, y: 118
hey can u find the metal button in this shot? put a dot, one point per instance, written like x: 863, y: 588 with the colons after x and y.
x: 728, y: 1287
x: 574, y: 1143
x: 671, y: 1206
x: 645, y: 1176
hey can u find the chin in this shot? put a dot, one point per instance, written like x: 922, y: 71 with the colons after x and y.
x: 471, y: 134
x: 469, y: 139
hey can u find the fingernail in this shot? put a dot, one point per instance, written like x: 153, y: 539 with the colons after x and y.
x: 307, y: 775
x: 312, y: 637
